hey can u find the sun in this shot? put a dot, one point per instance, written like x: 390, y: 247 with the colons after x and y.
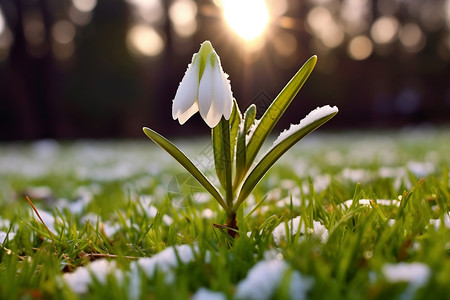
x: 247, y: 18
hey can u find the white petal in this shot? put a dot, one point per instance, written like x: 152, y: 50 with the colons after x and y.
x: 219, y: 92
x: 186, y: 96
x: 205, y: 91
x: 228, y: 107
x: 188, y: 113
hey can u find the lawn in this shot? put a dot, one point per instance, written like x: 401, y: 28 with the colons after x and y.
x: 355, y: 215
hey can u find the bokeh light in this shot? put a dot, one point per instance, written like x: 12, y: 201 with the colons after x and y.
x: 404, y: 44
x: 143, y: 40
x: 247, y: 18
x: 325, y: 27
x: 412, y: 37
x: 84, y: 5
x: 360, y: 47
x: 182, y: 14
x: 384, y: 30
x: 149, y: 11
x: 63, y: 32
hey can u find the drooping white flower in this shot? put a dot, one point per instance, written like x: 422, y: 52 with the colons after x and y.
x: 204, y: 88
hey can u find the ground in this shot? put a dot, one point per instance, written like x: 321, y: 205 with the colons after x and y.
x: 351, y: 215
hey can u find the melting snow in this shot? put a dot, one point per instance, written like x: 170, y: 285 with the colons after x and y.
x: 80, y: 280
x: 265, y: 277
x: 279, y: 233
x: 416, y: 274
x: 3, y: 235
x: 48, y: 219
x: 205, y: 294
x: 366, y: 202
x: 313, y: 116
x: 356, y: 175
x: 166, y: 260
x: 437, y: 222
x: 420, y: 169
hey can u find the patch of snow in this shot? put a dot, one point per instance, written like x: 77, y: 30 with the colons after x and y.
x: 286, y: 201
x: 80, y: 280
x: 273, y: 254
x: 4, y: 223
x: 207, y: 213
x: 166, y: 260
x: 316, y: 114
x: 48, y: 219
x: 356, y: 175
x: 366, y: 202
x: 206, y: 294
x: 318, y: 230
x: 420, y: 169
x: 391, y: 222
x: 134, y: 287
x: 437, y: 222
x: 3, y: 235
x: 75, y: 207
x: 168, y: 220
x: 91, y: 218
x: 416, y: 274
x: 265, y: 277
x: 110, y: 229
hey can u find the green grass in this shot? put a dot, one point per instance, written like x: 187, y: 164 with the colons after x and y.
x: 121, y: 180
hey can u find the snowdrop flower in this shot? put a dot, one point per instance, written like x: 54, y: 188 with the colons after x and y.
x: 204, y: 88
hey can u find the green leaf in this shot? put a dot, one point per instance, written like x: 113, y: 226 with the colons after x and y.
x: 235, y: 120
x: 274, y: 153
x: 186, y: 163
x: 241, y: 148
x: 276, y: 110
x: 222, y: 159
x: 250, y: 116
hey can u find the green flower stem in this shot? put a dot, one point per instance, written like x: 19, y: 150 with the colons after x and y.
x: 222, y: 157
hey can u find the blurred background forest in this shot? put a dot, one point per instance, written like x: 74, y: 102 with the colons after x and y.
x: 106, y: 68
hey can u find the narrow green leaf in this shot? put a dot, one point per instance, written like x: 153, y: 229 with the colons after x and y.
x: 222, y: 159
x: 274, y: 154
x: 276, y: 110
x: 250, y: 116
x: 186, y: 163
x: 241, y: 148
x: 235, y: 120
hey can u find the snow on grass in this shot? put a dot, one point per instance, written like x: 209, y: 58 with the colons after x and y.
x: 437, y: 222
x: 166, y: 260
x: 318, y: 230
x: 48, y: 219
x: 265, y: 277
x: 206, y: 294
x: 82, y: 277
x: 4, y: 235
x: 416, y: 274
x: 313, y: 116
x: 366, y: 202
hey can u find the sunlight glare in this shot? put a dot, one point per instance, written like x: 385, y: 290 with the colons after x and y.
x: 248, y: 18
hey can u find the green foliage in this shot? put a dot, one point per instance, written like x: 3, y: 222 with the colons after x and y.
x: 237, y: 141
x: 363, y: 236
